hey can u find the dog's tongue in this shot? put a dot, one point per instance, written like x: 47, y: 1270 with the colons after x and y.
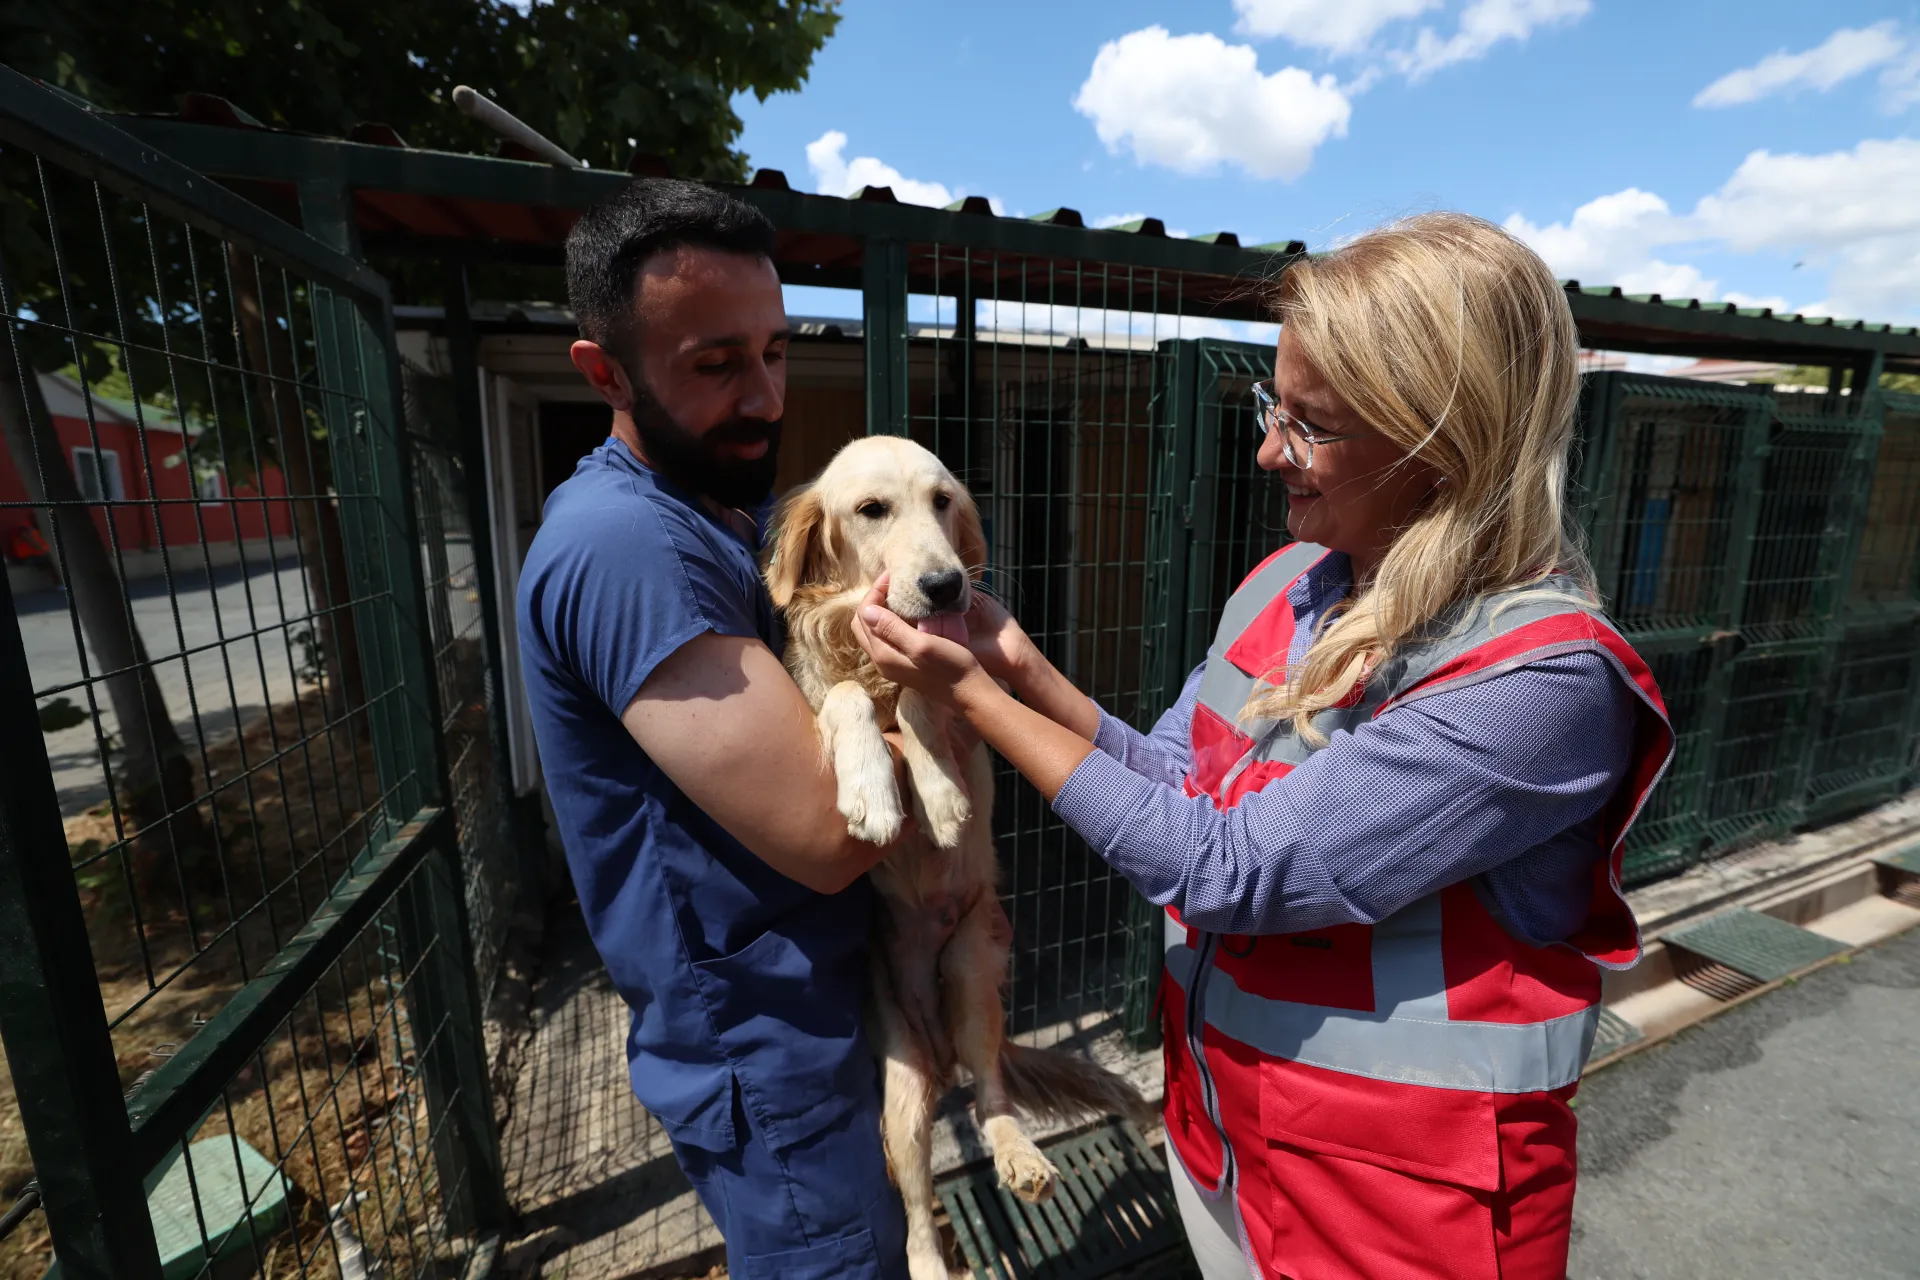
x: 948, y: 626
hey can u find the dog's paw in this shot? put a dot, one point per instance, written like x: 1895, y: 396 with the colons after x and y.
x: 944, y: 815
x: 1025, y: 1171
x: 872, y: 814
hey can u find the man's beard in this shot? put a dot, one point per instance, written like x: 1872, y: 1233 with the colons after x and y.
x: 703, y: 462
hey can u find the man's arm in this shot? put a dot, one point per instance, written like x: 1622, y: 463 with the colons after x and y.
x: 726, y: 722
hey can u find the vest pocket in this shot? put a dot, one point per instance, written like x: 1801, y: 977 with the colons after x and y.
x: 1448, y: 1135
x: 1371, y: 1178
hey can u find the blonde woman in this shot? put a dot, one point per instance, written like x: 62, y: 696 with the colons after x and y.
x: 1385, y: 816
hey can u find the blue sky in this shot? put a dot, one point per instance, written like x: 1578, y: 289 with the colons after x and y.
x: 1766, y: 151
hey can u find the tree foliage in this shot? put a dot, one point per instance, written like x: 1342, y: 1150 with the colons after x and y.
x: 603, y: 78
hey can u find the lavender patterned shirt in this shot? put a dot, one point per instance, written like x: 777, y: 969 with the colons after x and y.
x: 1503, y: 780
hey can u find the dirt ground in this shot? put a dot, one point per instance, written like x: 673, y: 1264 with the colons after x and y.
x: 333, y: 1100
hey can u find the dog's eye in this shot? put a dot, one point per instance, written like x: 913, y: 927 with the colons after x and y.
x: 874, y: 510
x: 941, y: 502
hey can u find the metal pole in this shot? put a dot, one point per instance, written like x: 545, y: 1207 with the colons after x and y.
x: 443, y: 998
x: 51, y: 1015
x: 463, y: 356
x: 883, y: 286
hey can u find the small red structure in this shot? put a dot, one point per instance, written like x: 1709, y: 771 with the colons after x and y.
x: 135, y: 461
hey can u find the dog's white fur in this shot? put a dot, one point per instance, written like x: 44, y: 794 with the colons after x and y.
x: 886, y: 505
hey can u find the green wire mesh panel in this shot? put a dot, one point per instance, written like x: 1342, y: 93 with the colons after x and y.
x: 1668, y: 514
x: 335, y: 1133
x: 219, y: 622
x: 476, y: 763
x: 1812, y: 493
x: 1671, y: 831
x: 1034, y: 380
x: 1249, y: 516
x: 1862, y: 744
x: 1886, y: 570
x: 1112, y: 1208
x: 1754, y: 789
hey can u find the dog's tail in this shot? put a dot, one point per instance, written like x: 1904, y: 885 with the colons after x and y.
x: 1052, y: 1084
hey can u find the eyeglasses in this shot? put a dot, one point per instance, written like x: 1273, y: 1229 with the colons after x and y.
x: 1297, y: 436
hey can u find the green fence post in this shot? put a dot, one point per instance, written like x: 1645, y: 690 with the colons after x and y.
x: 1163, y: 647
x: 442, y: 997
x: 58, y: 1047
x: 463, y: 354
x: 1838, y: 553
x: 883, y: 304
x: 443, y: 994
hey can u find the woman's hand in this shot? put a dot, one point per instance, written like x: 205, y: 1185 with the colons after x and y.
x: 931, y: 656
x: 998, y: 641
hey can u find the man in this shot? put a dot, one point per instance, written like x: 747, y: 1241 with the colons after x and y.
x: 716, y: 876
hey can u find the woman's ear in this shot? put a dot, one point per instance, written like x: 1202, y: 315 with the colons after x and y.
x: 970, y: 539
x: 799, y: 555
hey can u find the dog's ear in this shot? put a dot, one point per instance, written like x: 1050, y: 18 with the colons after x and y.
x: 969, y: 538
x: 801, y: 556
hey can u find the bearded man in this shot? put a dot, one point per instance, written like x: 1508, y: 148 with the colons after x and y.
x: 716, y: 876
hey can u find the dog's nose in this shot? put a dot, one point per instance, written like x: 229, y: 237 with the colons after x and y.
x: 942, y: 589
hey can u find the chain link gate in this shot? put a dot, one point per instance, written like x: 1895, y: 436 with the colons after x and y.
x: 236, y: 991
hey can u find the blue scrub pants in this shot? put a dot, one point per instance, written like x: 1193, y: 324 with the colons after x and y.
x: 820, y: 1209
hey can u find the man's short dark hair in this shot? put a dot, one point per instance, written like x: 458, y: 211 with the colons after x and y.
x: 647, y: 216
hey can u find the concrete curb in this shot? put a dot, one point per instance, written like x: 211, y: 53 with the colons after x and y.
x: 1838, y: 891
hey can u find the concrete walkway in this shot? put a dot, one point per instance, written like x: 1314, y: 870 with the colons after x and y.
x: 1780, y: 1139
x: 591, y: 1173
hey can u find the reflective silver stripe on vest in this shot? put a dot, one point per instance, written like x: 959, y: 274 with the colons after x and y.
x: 1225, y: 689
x: 1251, y: 597
x: 1408, y: 1039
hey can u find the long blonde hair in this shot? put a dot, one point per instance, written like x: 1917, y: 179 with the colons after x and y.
x: 1454, y: 340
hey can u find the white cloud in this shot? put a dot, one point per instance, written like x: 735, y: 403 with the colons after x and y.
x: 1007, y: 315
x: 1484, y: 24
x: 1900, y: 83
x: 835, y: 175
x: 1772, y: 302
x: 1843, y: 55
x: 1338, y: 26
x: 1193, y: 103
x: 1855, y: 213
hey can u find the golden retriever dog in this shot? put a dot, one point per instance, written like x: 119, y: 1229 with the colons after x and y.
x: 884, y: 505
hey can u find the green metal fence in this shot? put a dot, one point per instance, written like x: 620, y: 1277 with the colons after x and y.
x: 1045, y: 386
x: 464, y: 653
x: 1759, y: 548
x: 238, y: 991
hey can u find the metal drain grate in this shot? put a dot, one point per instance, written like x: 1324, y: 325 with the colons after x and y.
x: 1900, y: 875
x: 1733, y: 952
x: 1904, y: 888
x: 1613, y: 1034
x: 1112, y: 1207
x: 1907, y: 859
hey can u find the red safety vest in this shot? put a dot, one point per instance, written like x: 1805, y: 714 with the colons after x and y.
x: 1391, y: 1100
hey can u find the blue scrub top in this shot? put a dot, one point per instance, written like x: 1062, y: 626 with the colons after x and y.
x: 735, y: 974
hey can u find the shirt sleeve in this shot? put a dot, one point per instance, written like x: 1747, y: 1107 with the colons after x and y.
x: 1429, y: 794
x: 1165, y: 753
x: 630, y: 583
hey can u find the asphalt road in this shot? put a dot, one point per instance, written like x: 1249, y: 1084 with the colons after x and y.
x: 1780, y: 1139
x: 223, y: 647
